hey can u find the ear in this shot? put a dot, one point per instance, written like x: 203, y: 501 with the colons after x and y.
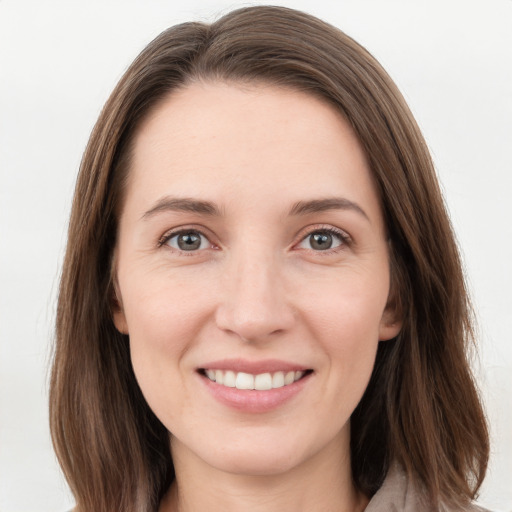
x: 390, y: 324
x: 117, y: 308
x: 392, y: 317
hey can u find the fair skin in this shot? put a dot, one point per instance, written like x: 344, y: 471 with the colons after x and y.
x: 252, y: 242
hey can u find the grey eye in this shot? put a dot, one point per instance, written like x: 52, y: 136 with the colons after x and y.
x: 321, y: 241
x: 188, y: 241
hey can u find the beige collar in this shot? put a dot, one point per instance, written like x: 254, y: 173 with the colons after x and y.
x: 400, y: 494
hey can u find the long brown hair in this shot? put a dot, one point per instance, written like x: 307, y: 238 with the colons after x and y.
x: 421, y: 407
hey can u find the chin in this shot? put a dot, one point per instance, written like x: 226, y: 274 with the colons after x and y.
x: 256, y: 463
x: 263, y: 453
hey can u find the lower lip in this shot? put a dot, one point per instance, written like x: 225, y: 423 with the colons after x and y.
x: 250, y: 400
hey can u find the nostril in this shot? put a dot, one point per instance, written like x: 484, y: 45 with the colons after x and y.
x: 253, y: 324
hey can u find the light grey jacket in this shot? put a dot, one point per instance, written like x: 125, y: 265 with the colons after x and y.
x: 399, y: 494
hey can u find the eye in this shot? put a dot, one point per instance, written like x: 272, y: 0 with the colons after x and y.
x: 189, y: 240
x: 323, y: 240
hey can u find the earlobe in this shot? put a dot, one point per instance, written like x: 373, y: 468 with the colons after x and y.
x: 120, y: 321
x: 118, y: 316
x: 389, y: 331
x: 390, y: 325
x: 392, y: 318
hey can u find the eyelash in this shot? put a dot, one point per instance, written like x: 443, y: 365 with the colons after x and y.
x: 164, y: 239
x: 343, y: 237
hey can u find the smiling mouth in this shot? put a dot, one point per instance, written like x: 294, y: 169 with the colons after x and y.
x: 248, y: 381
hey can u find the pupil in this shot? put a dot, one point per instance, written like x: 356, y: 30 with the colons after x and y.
x: 189, y: 242
x: 321, y: 241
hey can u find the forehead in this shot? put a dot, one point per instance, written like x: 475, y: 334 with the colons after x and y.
x: 218, y: 140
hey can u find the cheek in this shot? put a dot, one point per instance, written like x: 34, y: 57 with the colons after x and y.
x: 345, y: 320
x: 350, y: 336
x: 164, y: 318
x: 349, y: 306
x: 162, y: 311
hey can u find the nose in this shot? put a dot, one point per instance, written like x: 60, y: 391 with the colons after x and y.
x: 254, y: 304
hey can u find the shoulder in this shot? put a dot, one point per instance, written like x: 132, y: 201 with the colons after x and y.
x: 476, y: 508
x: 400, y: 494
x: 397, y: 494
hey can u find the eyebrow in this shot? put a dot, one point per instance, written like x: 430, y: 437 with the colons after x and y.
x: 322, y: 205
x: 182, y: 204
x: 185, y: 204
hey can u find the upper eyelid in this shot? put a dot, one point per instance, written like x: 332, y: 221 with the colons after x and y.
x: 170, y: 233
x: 308, y: 230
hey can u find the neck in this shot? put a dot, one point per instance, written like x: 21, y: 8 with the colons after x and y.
x: 321, y: 483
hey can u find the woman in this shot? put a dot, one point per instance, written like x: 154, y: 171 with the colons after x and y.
x: 262, y: 305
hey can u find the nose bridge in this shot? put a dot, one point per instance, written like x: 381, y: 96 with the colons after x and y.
x: 254, y: 304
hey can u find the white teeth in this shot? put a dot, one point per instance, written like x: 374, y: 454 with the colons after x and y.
x: 289, y: 378
x: 243, y: 381
x: 260, y: 382
x: 278, y: 380
x: 229, y: 379
x: 263, y: 381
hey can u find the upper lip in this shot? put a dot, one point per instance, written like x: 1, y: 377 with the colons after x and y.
x: 254, y: 367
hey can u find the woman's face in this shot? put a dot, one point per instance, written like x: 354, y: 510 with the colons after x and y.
x: 252, y: 252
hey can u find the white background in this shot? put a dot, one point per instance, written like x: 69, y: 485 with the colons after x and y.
x: 58, y: 62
